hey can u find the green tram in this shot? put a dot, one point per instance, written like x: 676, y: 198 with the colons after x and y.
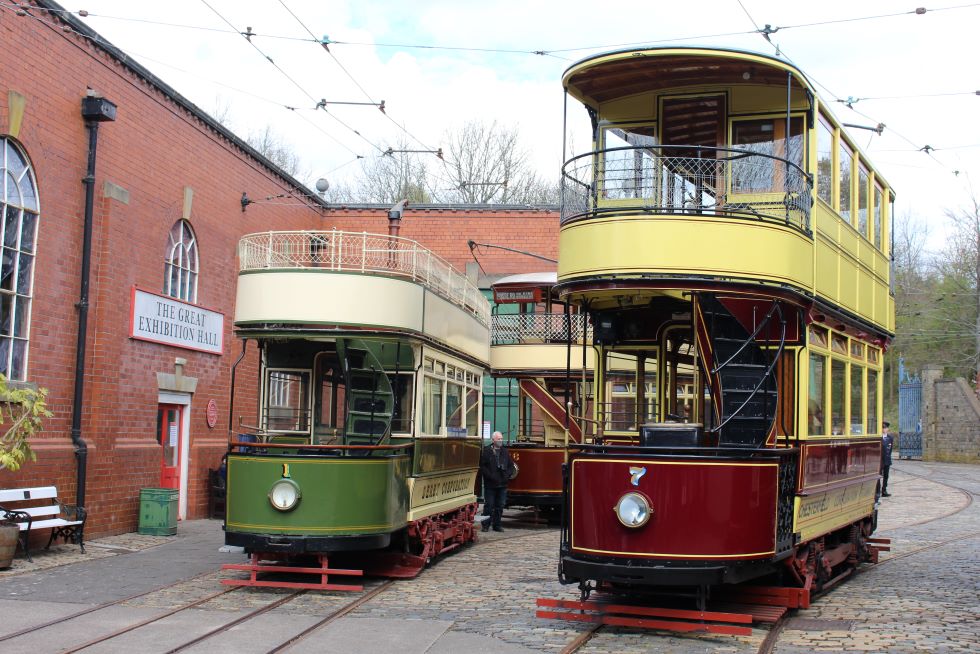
x: 372, y: 352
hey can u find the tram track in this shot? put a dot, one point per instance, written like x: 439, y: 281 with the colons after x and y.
x: 967, y: 494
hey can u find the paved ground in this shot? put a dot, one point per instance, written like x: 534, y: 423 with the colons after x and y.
x: 482, y: 598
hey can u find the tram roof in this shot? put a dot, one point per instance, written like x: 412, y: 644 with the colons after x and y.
x: 544, y: 279
x: 604, y: 77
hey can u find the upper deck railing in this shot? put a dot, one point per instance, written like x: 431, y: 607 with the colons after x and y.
x: 682, y: 180
x: 374, y: 254
x: 526, y: 328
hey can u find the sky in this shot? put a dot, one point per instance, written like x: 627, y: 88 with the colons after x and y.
x: 438, y: 64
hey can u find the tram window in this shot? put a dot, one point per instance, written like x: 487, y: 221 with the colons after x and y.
x: 403, y: 387
x: 838, y: 344
x: 454, y: 406
x: 679, y: 366
x: 629, y: 173
x: 825, y: 161
x: 877, y: 217
x: 857, y: 399
x: 837, y: 392
x: 846, y: 155
x: 332, y: 399
x: 872, y: 414
x: 815, y: 411
x: 764, y: 137
x: 862, y: 212
x: 872, y: 354
x: 429, y: 364
x: 857, y: 350
x: 818, y: 336
x: 287, y: 400
x: 432, y: 406
x: 472, y: 412
x: 631, y: 393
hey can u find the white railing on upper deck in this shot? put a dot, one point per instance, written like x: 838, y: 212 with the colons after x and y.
x: 375, y: 254
x: 522, y: 328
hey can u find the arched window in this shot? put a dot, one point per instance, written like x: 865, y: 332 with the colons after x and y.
x: 180, y: 274
x: 20, y: 211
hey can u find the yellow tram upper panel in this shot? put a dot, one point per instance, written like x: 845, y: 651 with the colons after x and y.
x: 692, y: 177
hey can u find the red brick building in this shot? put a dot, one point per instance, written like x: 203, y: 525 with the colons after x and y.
x: 166, y: 216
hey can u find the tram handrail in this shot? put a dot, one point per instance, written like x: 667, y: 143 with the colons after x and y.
x: 731, y: 182
x: 520, y: 328
x: 365, y: 253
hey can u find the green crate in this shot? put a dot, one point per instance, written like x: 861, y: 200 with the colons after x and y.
x: 158, y: 511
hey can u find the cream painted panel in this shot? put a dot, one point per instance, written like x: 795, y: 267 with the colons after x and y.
x: 451, y: 325
x: 552, y: 356
x: 724, y: 247
x: 327, y: 297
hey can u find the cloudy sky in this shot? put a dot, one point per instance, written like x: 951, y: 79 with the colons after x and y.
x: 437, y: 64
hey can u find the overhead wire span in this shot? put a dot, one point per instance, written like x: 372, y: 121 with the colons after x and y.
x: 247, y: 36
x: 325, y: 43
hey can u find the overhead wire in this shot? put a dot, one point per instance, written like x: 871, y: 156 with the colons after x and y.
x: 245, y: 35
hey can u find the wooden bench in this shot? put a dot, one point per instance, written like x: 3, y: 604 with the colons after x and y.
x: 66, y: 521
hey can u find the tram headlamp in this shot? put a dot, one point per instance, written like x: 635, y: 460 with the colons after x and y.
x: 633, y: 510
x: 284, y: 495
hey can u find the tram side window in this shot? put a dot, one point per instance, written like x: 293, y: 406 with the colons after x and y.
x: 877, y: 216
x: 287, y: 400
x: 846, y: 155
x: 838, y: 373
x: 862, y: 199
x: 629, y: 162
x: 766, y: 137
x: 454, y: 408
x: 432, y: 406
x: 825, y: 161
x: 816, y: 425
x: 857, y: 399
x: 872, y: 415
x: 472, y: 412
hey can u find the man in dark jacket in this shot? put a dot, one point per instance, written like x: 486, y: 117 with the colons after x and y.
x: 887, y: 444
x: 497, y: 467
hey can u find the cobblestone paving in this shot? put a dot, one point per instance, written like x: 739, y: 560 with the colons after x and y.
x: 925, y: 602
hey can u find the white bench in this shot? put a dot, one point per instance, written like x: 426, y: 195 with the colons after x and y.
x: 66, y: 521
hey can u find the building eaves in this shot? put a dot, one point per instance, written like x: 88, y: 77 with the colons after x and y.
x: 63, y: 15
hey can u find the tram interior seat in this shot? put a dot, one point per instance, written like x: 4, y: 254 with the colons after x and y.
x: 671, y: 434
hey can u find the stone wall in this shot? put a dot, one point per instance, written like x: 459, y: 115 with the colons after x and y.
x: 950, y: 418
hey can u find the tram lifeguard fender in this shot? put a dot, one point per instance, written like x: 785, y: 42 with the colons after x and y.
x: 701, y: 510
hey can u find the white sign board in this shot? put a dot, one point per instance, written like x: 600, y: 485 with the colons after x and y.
x: 169, y: 321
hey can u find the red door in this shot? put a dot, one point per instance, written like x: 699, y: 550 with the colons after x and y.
x: 169, y: 435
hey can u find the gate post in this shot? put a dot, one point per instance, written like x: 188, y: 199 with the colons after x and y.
x: 931, y: 374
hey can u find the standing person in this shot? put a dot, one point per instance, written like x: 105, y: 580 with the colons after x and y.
x: 887, y: 444
x: 496, y: 466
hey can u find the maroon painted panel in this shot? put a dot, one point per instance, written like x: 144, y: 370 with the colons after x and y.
x: 700, y: 509
x: 540, y: 470
x: 750, y: 311
x: 835, y: 461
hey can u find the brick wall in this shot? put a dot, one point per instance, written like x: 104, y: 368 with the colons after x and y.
x: 154, y: 149
x: 950, y: 418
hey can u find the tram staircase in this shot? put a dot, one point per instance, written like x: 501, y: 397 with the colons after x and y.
x: 551, y: 407
x: 370, y: 399
x: 743, y: 374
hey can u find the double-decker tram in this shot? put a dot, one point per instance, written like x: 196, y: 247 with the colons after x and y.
x: 728, y: 240
x: 544, y: 349
x: 372, y: 356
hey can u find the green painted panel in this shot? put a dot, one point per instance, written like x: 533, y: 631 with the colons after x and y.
x: 340, y: 495
x: 435, y: 455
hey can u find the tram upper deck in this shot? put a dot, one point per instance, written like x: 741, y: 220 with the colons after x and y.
x: 310, y: 281
x: 532, y: 338
x: 692, y: 181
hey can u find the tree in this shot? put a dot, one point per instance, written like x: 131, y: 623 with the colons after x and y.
x: 393, y: 177
x: 274, y: 148
x: 24, y: 408
x: 488, y: 164
x: 958, y: 267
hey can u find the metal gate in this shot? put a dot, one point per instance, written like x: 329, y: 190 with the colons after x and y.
x: 909, y: 416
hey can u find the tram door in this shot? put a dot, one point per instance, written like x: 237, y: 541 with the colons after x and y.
x: 169, y: 421
x: 694, y: 181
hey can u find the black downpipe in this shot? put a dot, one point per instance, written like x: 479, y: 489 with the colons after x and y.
x: 81, y: 447
x: 231, y: 400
